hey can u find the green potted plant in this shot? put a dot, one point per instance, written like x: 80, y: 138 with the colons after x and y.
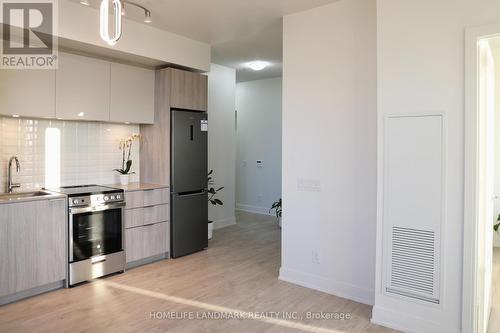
x: 212, y: 192
x: 497, y: 225
x: 278, y: 209
x: 126, y: 148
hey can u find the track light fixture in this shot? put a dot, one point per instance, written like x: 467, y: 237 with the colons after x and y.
x: 118, y: 12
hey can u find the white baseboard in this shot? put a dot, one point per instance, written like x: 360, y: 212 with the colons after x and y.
x: 224, y: 223
x: 406, y: 322
x: 344, y: 290
x: 253, y: 209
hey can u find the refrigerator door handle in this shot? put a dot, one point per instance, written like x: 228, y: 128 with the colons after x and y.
x: 190, y: 194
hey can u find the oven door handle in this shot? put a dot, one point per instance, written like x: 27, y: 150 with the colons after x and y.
x: 81, y: 210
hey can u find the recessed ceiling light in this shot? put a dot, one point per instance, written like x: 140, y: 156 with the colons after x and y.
x: 15, y: 115
x: 81, y: 114
x: 257, y: 65
x: 85, y: 2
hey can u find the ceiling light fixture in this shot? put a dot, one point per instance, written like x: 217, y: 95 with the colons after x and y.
x: 119, y: 11
x: 104, y: 29
x: 147, y: 19
x: 257, y: 65
x: 85, y: 2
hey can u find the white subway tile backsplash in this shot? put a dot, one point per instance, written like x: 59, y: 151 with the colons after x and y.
x: 89, y: 151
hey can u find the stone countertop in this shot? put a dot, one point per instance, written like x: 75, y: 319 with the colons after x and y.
x: 18, y: 197
x: 138, y: 186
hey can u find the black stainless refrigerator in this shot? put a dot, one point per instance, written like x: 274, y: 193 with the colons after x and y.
x: 188, y: 183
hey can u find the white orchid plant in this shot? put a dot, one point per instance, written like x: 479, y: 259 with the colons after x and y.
x: 126, y: 148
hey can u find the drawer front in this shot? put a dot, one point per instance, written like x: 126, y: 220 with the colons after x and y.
x: 156, y: 197
x: 134, y: 199
x: 134, y: 244
x: 134, y: 217
x: 156, y: 214
x: 156, y: 238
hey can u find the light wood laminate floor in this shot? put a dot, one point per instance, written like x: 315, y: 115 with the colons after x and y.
x: 239, y: 272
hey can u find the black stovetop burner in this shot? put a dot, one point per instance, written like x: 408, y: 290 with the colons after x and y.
x: 82, y: 190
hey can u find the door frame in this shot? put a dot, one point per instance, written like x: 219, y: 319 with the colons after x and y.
x: 471, y: 171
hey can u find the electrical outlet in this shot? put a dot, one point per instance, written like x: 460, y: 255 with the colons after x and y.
x: 244, y: 164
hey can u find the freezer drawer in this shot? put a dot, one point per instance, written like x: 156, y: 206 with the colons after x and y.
x: 189, y: 223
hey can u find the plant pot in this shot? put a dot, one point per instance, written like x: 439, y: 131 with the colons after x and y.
x: 124, y: 179
x: 210, y: 229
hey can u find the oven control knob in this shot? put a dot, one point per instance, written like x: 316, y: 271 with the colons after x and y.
x: 112, y: 197
x: 75, y: 202
x: 106, y: 198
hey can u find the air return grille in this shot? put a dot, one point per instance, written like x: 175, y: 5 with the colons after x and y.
x: 413, y: 264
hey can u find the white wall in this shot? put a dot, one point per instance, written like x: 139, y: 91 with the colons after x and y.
x: 222, y: 141
x: 421, y: 69
x: 496, y: 59
x: 258, y: 138
x: 329, y: 149
x: 88, y: 151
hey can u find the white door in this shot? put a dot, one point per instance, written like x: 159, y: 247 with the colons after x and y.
x: 486, y: 184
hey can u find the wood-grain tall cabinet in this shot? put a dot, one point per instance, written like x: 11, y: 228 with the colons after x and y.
x: 174, y: 89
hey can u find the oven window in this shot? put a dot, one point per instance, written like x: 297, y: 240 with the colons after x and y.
x: 97, y: 233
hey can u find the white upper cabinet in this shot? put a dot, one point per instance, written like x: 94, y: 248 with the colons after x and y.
x: 28, y: 93
x: 132, y: 94
x: 82, y: 88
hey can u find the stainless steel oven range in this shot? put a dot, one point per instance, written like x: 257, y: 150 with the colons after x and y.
x: 95, y: 232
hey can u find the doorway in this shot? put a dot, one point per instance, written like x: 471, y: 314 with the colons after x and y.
x: 482, y: 158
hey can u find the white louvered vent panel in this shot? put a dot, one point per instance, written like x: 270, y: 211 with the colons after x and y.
x: 413, y: 264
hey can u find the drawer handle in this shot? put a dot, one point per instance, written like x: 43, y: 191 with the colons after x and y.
x: 99, y: 261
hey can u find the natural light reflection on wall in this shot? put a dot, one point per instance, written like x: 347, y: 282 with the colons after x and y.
x: 52, y: 157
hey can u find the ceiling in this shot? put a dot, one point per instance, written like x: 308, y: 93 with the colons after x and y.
x: 238, y: 30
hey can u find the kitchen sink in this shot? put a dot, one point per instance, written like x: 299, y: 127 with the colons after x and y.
x: 21, y: 195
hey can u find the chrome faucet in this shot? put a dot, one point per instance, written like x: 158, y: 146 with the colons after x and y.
x: 11, y: 185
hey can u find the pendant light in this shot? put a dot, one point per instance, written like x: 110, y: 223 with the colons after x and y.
x: 118, y: 12
x: 117, y: 18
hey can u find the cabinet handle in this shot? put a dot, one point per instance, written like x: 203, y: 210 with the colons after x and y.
x: 99, y: 261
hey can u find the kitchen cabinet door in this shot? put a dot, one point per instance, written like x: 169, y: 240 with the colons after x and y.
x: 28, y: 93
x: 33, y: 245
x: 132, y: 94
x: 82, y: 88
x: 188, y: 90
